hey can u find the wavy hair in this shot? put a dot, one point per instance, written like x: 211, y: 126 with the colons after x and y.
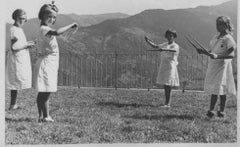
x: 46, y: 9
x: 227, y: 21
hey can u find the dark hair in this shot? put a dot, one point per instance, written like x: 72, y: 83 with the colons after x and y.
x: 17, y: 13
x: 171, y: 31
x: 227, y: 21
x: 47, y: 8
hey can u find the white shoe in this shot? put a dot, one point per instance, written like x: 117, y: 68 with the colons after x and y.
x: 166, y: 106
x: 48, y: 119
x: 13, y: 107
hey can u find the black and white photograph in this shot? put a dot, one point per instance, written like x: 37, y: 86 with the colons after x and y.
x: 161, y: 72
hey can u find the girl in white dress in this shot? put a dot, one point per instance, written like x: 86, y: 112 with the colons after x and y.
x: 46, y: 68
x: 219, y: 78
x: 167, y: 74
x: 18, y: 69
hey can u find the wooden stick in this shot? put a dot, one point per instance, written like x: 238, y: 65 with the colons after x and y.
x: 155, y: 50
x: 204, y: 50
x: 188, y: 39
x: 199, y: 43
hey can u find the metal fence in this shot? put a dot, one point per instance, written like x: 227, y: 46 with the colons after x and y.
x: 121, y: 70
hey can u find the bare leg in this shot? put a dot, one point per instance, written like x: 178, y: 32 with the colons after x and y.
x: 167, y: 94
x: 45, y: 104
x: 13, y: 100
x: 13, y: 97
x: 213, y: 102
x: 223, y: 99
x: 39, y: 104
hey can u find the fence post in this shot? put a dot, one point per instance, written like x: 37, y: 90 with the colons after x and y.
x: 116, y: 68
x: 78, y: 70
x: 96, y: 67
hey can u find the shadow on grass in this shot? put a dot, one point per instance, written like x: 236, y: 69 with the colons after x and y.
x: 119, y: 105
x: 18, y: 120
x: 159, y: 117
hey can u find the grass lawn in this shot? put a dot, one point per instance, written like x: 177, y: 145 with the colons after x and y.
x: 119, y: 116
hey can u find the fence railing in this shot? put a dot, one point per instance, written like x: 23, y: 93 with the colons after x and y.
x: 121, y: 70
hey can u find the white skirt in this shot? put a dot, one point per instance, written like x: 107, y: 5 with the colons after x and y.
x: 46, y: 74
x: 168, y: 74
x: 18, y: 70
x: 219, y: 78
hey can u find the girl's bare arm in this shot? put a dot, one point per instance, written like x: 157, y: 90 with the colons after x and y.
x: 229, y: 55
x: 62, y: 29
x: 150, y: 42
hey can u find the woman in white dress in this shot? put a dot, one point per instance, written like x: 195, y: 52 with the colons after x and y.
x: 18, y: 69
x: 219, y: 78
x: 46, y: 68
x: 167, y: 74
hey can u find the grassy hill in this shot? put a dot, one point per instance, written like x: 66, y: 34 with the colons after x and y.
x: 118, y: 116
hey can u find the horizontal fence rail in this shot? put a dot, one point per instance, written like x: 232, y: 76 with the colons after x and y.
x: 133, y: 70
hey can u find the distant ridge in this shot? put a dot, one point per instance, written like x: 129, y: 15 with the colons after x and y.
x: 87, y: 20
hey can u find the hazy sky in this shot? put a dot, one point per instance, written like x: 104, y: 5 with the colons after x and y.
x: 102, y: 6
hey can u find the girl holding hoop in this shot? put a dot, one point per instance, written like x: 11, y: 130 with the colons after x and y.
x: 167, y: 74
x: 46, y: 70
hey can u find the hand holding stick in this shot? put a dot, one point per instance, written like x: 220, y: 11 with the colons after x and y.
x: 150, y: 42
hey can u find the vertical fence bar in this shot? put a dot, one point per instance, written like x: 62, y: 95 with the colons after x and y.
x: 75, y: 70
x: 66, y: 65
x: 69, y: 69
x: 78, y: 72
x: 187, y: 73
x: 72, y: 69
x: 81, y: 72
x: 146, y: 81
x: 197, y: 78
x: 131, y: 70
x: 116, y: 66
x: 60, y: 70
x: 65, y: 71
x: 86, y: 70
x: 151, y: 61
x: 96, y: 67
x: 91, y: 71
x: 101, y: 76
x: 106, y: 71
x: 112, y: 68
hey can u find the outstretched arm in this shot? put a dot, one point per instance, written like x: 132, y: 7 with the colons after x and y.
x: 62, y: 30
x: 150, y: 42
x: 168, y: 50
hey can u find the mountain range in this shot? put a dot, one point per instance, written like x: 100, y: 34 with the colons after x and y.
x: 108, y: 33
